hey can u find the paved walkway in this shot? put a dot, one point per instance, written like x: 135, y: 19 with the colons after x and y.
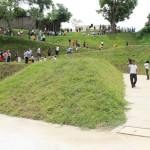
x: 24, y: 134
x: 138, y: 122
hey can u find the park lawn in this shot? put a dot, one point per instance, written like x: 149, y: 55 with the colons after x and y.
x: 73, y: 90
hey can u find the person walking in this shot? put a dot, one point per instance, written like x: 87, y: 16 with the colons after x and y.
x: 57, y: 50
x: 146, y: 65
x: 26, y: 57
x: 133, y: 73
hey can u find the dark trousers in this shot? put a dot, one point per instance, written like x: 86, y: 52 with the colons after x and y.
x: 133, y: 79
x: 8, y: 59
x: 26, y: 60
x: 57, y: 52
x: 147, y: 74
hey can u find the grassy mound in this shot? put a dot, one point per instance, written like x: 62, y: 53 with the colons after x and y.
x: 8, y: 69
x: 85, y: 92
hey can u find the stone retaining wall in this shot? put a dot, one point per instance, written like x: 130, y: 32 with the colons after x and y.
x: 20, y: 22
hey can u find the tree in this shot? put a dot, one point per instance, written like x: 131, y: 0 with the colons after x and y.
x: 7, y: 10
x: 36, y: 15
x: 58, y: 15
x: 116, y: 10
x: 20, y: 12
x: 42, y: 4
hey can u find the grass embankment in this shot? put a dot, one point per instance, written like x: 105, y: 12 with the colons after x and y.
x: 74, y: 91
x: 15, y: 44
x: 143, y: 36
x: 8, y: 69
x: 94, y: 41
x: 119, y: 56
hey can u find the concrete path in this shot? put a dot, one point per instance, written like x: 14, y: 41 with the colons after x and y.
x: 24, y: 134
x: 139, y: 107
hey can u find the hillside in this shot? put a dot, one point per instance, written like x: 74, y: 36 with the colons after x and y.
x: 15, y: 44
x: 83, y: 89
x: 143, y: 36
x: 9, y: 69
x: 119, y: 56
x: 73, y: 91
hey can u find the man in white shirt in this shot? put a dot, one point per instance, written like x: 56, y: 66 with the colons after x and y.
x: 133, y: 73
x: 57, y: 50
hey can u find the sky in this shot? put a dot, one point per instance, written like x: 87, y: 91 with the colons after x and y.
x: 85, y: 10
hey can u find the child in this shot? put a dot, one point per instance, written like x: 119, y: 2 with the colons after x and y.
x: 45, y: 58
x: 32, y: 58
x: 77, y: 49
x: 54, y: 57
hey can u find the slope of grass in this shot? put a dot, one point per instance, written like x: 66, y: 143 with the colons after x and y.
x: 94, y: 41
x: 145, y: 40
x: 15, y: 44
x: 8, y: 69
x: 119, y: 56
x: 73, y: 90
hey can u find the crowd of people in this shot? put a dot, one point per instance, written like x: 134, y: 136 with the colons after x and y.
x: 28, y: 55
x: 5, y: 56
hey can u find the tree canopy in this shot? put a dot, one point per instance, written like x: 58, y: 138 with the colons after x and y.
x: 42, y: 4
x: 58, y: 15
x: 9, y: 9
x: 116, y: 10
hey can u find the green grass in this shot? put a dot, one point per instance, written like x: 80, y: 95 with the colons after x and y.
x: 119, y: 56
x: 84, y: 89
x: 73, y: 90
x: 15, y: 44
x: 93, y: 41
x: 8, y: 69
